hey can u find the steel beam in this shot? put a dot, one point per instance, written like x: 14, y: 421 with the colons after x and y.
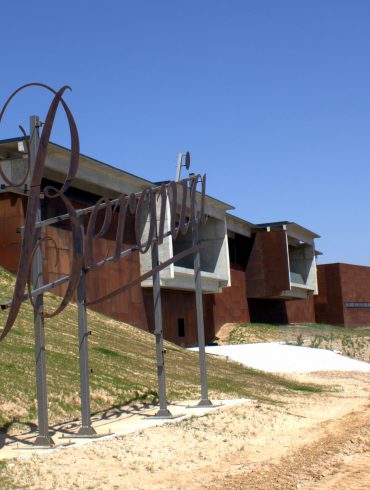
x: 43, y: 438
x: 163, y: 411
x: 86, y: 428
x: 204, y: 402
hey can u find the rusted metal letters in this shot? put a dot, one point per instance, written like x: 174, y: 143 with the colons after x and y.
x: 148, y: 208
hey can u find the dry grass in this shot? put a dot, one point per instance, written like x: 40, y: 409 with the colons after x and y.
x: 124, y: 368
x: 352, y: 342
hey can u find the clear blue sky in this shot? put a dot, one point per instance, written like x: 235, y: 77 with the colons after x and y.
x: 272, y: 98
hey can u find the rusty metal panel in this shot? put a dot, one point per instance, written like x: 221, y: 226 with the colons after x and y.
x: 231, y: 305
x: 268, y: 265
x: 329, y: 301
x: 180, y: 304
x: 300, y: 310
x: 12, y: 212
x: 340, y: 284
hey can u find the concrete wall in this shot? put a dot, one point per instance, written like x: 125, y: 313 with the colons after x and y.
x: 214, y: 259
x: 303, y: 265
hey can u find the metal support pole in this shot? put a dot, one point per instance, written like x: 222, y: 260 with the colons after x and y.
x: 163, y: 412
x: 86, y: 430
x: 204, y: 402
x: 43, y: 439
x: 178, y: 167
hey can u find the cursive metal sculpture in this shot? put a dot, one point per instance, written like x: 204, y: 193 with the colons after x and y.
x: 149, y: 210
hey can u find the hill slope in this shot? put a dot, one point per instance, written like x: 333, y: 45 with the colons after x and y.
x: 123, y: 362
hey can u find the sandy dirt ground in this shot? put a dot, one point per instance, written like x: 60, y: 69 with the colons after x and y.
x: 306, y: 441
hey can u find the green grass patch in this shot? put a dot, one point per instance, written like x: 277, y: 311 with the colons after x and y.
x: 107, y: 352
x: 123, y: 359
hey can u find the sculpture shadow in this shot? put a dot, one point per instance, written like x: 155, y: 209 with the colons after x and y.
x: 138, y: 404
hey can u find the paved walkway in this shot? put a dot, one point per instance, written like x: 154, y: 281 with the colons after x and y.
x: 115, y: 422
x: 275, y: 357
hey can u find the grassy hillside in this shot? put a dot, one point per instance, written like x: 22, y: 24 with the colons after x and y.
x: 352, y: 342
x: 123, y: 362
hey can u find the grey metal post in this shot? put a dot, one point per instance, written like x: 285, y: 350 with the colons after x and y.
x: 86, y: 430
x: 158, y: 332
x: 43, y: 439
x: 204, y: 402
x: 178, y: 167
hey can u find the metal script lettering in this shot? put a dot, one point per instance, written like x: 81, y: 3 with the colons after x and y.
x: 143, y: 206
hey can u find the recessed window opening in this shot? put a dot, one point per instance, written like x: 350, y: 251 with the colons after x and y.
x: 351, y: 304
x: 239, y: 249
x: 181, y: 327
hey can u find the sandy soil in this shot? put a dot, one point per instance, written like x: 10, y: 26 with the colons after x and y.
x: 305, y: 441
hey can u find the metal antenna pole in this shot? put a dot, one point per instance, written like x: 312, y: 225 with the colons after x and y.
x: 86, y: 430
x: 43, y: 439
x: 163, y: 412
x: 178, y: 167
x: 204, y: 402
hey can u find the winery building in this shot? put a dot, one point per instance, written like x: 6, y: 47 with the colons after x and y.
x: 250, y: 273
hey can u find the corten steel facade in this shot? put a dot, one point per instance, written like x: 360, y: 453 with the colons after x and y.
x: 344, y: 295
x: 280, y: 273
x: 250, y: 273
x: 134, y: 306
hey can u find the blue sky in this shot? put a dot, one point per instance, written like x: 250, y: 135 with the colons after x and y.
x: 272, y: 99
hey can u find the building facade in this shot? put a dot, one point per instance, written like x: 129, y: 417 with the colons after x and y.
x: 251, y: 272
x: 344, y: 295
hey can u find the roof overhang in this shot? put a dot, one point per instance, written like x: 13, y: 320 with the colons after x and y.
x: 95, y: 176
x: 292, y: 228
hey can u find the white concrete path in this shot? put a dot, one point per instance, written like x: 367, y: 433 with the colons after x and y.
x: 115, y: 422
x: 275, y: 357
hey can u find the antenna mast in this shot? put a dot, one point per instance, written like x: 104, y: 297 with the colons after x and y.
x: 180, y: 164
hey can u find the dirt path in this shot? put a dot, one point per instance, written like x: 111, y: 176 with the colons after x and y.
x: 338, y: 459
x: 306, y: 441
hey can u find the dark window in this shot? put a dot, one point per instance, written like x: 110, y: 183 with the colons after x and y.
x: 181, y: 327
x: 357, y: 305
x: 232, y: 250
x: 239, y: 249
